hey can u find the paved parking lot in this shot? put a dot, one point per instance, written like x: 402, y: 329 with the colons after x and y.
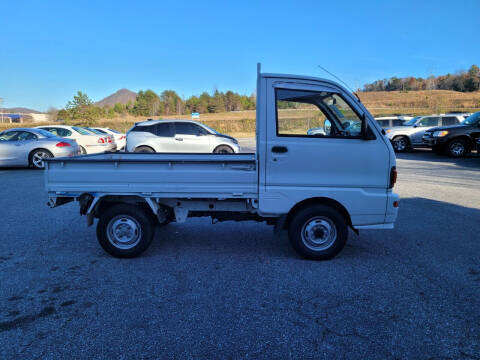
x: 234, y: 290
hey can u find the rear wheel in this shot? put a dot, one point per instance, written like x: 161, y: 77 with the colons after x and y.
x: 400, y: 144
x: 318, y: 232
x: 223, y: 149
x: 125, y: 230
x: 144, y: 149
x: 457, y: 148
x: 37, y: 158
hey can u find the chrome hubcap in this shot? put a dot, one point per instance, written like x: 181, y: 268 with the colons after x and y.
x: 38, y: 159
x: 457, y: 149
x: 319, y: 233
x: 124, y: 232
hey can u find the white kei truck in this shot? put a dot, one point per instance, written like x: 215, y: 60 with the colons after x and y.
x: 313, y: 186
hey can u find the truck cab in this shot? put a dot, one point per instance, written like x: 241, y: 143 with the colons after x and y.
x: 313, y: 184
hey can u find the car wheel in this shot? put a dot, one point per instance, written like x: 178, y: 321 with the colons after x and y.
x: 318, y: 232
x: 125, y: 230
x: 37, y: 158
x: 223, y: 149
x: 83, y: 151
x: 457, y: 148
x: 400, y: 144
x: 144, y: 149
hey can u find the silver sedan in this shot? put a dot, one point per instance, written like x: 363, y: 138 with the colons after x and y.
x: 29, y: 147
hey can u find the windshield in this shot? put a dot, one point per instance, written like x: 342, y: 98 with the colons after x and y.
x: 412, y: 121
x: 81, y: 131
x: 472, y: 119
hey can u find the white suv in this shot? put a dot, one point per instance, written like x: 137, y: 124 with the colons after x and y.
x: 178, y: 136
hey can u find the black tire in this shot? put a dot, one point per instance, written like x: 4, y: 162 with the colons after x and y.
x: 35, y: 157
x: 82, y: 150
x: 123, y: 222
x: 457, y: 148
x: 400, y: 144
x: 223, y: 149
x: 324, y: 220
x: 144, y: 149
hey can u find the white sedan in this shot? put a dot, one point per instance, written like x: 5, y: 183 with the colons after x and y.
x: 89, y: 143
x: 120, y: 139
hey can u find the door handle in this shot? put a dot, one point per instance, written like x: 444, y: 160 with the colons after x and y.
x: 279, y: 149
x: 179, y: 139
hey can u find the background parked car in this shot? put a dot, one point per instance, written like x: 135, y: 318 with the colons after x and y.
x: 89, y: 143
x: 392, y: 121
x: 178, y: 136
x: 109, y: 139
x: 457, y: 140
x: 30, y: 147
x: 410, y: 134
x: 120, y: 138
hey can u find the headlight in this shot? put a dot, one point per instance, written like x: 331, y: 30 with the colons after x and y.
x: 388, y: 130
x: 440, y: 133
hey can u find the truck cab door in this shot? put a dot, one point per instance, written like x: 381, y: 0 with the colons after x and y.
x: 340, y: 164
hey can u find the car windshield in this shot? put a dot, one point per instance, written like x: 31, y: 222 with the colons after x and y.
x: 472, y: 119
x: 411, y: 122
x: 114, y: 131
x: 81, y: 131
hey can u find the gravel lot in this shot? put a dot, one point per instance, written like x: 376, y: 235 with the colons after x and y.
x: 234, y: 290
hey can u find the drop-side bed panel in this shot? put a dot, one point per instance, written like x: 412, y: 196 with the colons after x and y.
x: 158, y: 175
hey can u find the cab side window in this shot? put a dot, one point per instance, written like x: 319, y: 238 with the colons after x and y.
x: 311, y: 113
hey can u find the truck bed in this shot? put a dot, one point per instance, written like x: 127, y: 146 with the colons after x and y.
x: 155, y: 175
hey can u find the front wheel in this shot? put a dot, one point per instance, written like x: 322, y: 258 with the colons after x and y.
x: 457, y: 148
x: 318, y: 232
x: 400, y: 144
x: 125, y: 230
x: 37, y: 158
x: 223, y: 149
x: 144, y: 149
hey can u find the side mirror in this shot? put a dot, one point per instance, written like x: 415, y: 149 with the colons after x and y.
x: 327, y: 126
x: 366, y: 135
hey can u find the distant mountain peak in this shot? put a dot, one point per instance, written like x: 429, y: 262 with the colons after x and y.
x: 122, y: 96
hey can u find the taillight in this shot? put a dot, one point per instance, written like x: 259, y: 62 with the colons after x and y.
x: 62, y: 144
x: 109, y: 140
x: 101, y: 141
x: 393, y: 176
x: 123, y: 137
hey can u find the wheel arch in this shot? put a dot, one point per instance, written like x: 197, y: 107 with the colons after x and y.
x: 318, y: 201
x: 145, y: 145
x: 468, y: 140
x: 36, y: 149
x: 224, y: 144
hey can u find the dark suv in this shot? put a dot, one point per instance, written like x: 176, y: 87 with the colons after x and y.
x: 457, y: 140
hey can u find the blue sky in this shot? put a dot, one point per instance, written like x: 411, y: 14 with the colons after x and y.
x: 51, y: 49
